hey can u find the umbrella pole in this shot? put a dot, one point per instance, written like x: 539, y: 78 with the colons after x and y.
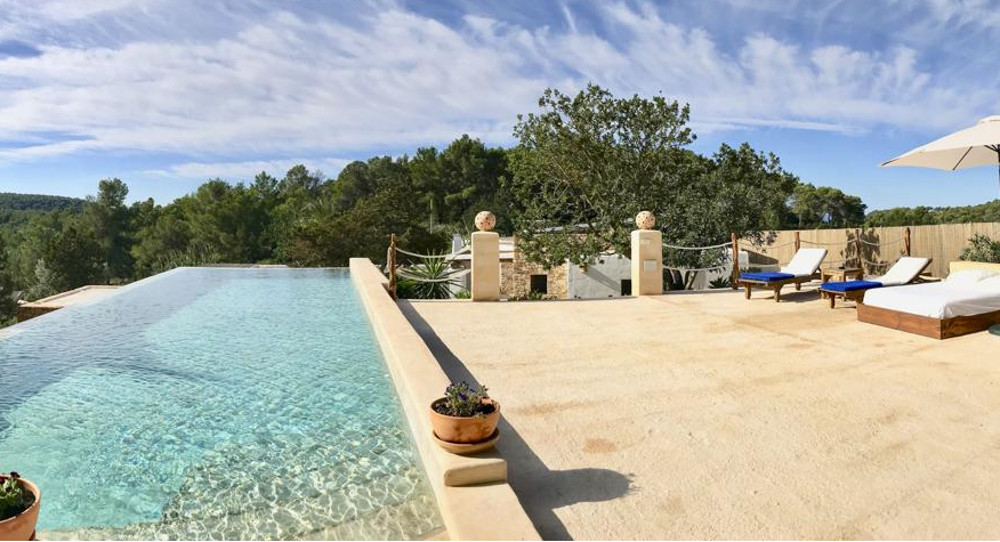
x: 996, y: 149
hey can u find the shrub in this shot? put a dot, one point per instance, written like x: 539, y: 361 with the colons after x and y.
x: 981, y: 249
x: 464, y: 401
x: 721, y: 282
x: 432, y: 278
x: 14, y: 498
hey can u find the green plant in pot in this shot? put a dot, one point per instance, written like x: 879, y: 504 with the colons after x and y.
x: 19, y: 503
x: 466, y: 415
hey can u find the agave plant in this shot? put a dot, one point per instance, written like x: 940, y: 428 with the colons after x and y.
x: 432, y: 278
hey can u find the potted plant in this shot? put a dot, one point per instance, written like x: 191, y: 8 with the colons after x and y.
x: 19, y: 504
x: 465, y: 415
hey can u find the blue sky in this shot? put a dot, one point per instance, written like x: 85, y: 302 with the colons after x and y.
x: 167, y: 93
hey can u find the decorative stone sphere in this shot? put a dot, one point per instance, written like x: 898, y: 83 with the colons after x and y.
x: 485, y: 221
x: 645, y: 220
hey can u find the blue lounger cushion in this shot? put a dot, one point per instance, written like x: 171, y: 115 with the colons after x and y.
x: 850, y: 286
x: 766, y: 276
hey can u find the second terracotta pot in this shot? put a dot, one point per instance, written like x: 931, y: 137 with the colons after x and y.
x: 464, y: 430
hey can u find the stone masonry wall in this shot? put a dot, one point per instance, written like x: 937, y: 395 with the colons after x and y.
x: 515, y: 277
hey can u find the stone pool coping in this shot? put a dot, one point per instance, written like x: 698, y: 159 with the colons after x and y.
x: 472, y: 492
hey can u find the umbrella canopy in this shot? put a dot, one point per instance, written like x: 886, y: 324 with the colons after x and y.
x: 978, y: 145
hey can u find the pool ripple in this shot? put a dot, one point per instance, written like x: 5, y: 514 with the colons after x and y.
x: 257, y: 408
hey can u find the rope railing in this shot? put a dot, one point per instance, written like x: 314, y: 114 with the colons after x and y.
x: 696, y: 269
x: 820, y: 243
x: 770, y: 247
x: 434, y: 256
x: 877, y: 264
x: 709, y: 247
x: 690, y: 273
x: 854, y: 253
x: 883, y: 243
x: 453, y: 277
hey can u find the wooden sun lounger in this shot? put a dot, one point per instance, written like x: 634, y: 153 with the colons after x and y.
x: 858, y: 296
x: 935, y: 328
x: 776, y: 285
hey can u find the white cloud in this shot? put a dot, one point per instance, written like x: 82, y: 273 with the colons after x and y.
x: 247, y: 170
x: 291, y: 85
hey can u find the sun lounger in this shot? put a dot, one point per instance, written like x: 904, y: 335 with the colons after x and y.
x: 905, y: 271
x: 966, y: 302
x: 804, y: 267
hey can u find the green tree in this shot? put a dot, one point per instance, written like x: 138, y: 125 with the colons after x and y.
x: 8, y: 299
x: 229, y: 220
x: 916, y: 216
x: 168, y: 232
x: 586, y: 165
x: 107, y: 218
x: 589, y: 163
x: 825, y: 207
x: 460, y: 181
x: 333, y: 236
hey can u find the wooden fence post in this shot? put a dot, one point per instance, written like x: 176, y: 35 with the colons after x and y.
x: 906, y: 240
x: 798, y: 241
x: 734, y: 282
x: 857, y: 248
x: 392, y: 266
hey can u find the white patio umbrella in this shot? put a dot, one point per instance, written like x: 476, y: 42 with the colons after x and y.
x: 978, y: 145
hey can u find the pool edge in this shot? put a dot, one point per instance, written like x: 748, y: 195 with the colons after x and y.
x: 473, y: 495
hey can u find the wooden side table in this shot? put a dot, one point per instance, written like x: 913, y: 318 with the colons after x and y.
x: 842, y: 275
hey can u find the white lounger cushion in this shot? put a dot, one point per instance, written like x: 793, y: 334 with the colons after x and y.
x: 939, y: 299
x: 805, y: 262
x: 903, y: 271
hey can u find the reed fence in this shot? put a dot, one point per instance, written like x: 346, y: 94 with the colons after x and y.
x: 875, y: 248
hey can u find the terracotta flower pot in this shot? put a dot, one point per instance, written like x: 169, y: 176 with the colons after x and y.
x: 464, y: 430
x: 22, y: 526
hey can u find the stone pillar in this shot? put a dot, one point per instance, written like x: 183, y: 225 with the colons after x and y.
x: 485, y: 259
x: 647, y: 256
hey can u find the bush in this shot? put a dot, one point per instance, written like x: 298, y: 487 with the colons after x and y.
x: 981, y: 249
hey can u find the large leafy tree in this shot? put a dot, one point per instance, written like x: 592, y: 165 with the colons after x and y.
x: 383, y: 202
x: 460, y: 181
x: 825, y: 207
x: 587, y: 164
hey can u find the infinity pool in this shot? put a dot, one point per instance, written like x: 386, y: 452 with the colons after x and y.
x: 212, y: 403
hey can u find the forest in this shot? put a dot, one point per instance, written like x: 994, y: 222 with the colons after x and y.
x: 592, y: 160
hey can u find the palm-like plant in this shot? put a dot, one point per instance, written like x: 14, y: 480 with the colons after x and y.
x: 430, y: 279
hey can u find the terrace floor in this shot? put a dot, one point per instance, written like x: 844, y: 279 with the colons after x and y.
x: 703, y: 415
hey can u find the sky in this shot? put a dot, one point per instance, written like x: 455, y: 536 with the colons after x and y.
x: 165, y: 94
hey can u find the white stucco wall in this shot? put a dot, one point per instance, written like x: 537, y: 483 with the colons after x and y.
x: 603, y: 279
x: 600, y: 280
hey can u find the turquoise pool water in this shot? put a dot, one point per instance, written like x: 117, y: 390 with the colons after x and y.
x: 212, y: 403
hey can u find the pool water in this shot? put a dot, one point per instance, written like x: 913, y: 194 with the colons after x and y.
x: 212, y: 403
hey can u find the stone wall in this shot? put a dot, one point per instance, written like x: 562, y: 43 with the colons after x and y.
x: 515, y: 277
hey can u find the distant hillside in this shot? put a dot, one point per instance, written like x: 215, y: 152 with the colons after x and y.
x: 38, y: 202
x: 918, y: 216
